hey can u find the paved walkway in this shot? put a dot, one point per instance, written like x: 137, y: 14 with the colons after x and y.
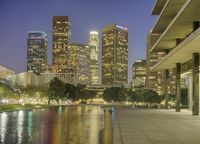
x: 152, y: 126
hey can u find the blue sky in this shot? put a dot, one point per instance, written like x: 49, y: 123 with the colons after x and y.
x: 18, y: 17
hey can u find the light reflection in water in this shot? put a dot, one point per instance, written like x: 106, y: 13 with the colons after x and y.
x: 20, y: 122
x: 3, y: 125
x: 30, y: 124
x: 58, y: 125
x: 107, y: 127
x: 94, y: 126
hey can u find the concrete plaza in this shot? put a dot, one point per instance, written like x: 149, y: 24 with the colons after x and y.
x: 155, y: 126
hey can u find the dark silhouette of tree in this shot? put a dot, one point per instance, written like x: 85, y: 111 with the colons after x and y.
x: 151, y: 96
x: 56, y: 90
x: 87, y: 94
x: 133, y: 96
x: 115, y: 94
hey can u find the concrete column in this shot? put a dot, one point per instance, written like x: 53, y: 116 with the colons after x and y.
x: 178, y: 87
x: 190, y: 86
x: 166, y: 88
x: 195, y: 71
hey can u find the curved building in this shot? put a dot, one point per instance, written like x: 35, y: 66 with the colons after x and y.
x: 37, y: 52
x: 94, y: 57
x: 5, y: 72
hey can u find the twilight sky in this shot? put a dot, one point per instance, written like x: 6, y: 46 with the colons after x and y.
x: 18, y: 17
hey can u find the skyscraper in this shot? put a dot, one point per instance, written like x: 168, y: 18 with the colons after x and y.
x: 79, y: 62
x: 139, y: 70
x: 114, y: 55
x: 61, y: 34
x: 94, y: 57
x: 155, y: 80
x: 37, y: 52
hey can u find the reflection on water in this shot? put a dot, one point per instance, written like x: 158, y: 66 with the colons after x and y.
x: 3, y: 125
x: 20, y: 121
x: 57, y: 125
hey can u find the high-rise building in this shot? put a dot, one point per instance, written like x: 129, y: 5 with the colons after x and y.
x: 114, y: 55
x: 94, y: 57
x: 154, y: 80
x: 37, y: 52
x: 139, y: 70
x: 61, y: 34
x: 79, y: 62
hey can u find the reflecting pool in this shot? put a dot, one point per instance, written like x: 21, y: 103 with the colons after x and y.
x: 57, y: 125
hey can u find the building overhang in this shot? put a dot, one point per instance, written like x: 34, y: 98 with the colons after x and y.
x: 158, y: 6
x: 181, y: 53
x: 180, y: 27
x: 168, y: 12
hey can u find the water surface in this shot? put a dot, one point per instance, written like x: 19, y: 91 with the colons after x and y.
x: 57, y: 125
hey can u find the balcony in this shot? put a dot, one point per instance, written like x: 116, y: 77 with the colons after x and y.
x: 180, y: 27
x: 168, y: 12
x: 182, y: 53
x: 158, y: 7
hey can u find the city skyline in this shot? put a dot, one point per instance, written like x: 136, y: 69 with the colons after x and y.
x: 135, y: 16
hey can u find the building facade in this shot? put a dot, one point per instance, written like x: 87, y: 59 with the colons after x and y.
x: 61, y: 34
x: 139, y: 70
x: 37, y: 44
x: 79, y: 62
x: 46, y: 78
x: 114, y: 55
x: 25, y: 79
x: 94, y: 57
x: 154, y: 80
x: 178, y: 25
x: 5, y: 72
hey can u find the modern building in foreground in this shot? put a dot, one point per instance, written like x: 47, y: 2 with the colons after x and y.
x: 114, y: 55
x: 37, y: 44
x: 79, y: 62
x: 94, y: 58
x: 61, y: 34
x: 139, y: 70
x: 179, y: 28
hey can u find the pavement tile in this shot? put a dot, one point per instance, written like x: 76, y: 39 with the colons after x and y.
x: 137, y: 142
x: 154, y: 126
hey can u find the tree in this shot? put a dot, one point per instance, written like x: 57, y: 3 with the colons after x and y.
x: 70, y: 91
x: 56, y: 90
x: 6, y: 91
x: 133, y: 96
x: 87, y: 94
x: 37, y: 93
x: 151, y: 96
x: 79, y: 91
x: 116, y: 94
